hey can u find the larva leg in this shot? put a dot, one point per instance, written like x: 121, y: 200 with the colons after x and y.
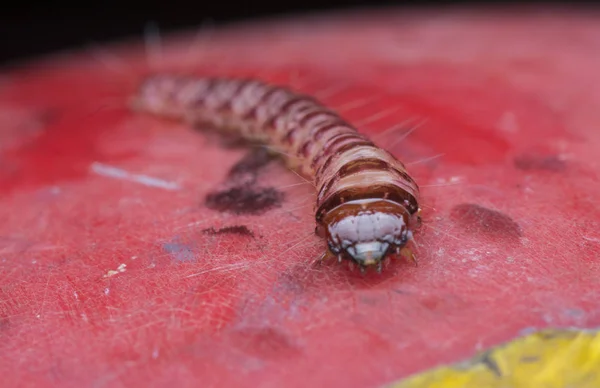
x: 320, y: 231
x: 408, y: 254
x: 378, y: 268
x: 419, y: 219
x: 327, y: 255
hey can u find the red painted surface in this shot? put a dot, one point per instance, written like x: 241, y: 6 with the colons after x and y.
x: 113, y: 272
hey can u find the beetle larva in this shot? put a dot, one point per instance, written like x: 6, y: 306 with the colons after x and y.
x: 367, y: 203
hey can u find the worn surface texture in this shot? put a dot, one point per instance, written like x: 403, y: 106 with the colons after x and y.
x: 135, y: 250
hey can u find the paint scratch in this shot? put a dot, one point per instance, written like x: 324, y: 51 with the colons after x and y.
x: 121, y: 268
x: 117, y: 173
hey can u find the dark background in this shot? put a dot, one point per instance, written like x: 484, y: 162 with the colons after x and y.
x: 32, y: 28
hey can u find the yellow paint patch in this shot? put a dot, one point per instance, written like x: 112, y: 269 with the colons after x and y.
x: 546, y: 359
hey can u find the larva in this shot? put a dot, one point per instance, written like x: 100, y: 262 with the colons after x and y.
x: 367, y: 203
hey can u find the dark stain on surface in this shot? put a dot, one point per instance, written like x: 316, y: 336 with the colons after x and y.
x: 244, y: 199
x: 529, y: 359
x: 491, y: 364
x: 241, y: 194
x: 265, y: 342
x: 241, y: 230
x: 539, y: 163
x: 252, y: 163
x: 478, y: 219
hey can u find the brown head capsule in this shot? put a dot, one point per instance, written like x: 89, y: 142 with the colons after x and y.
x: 367, y: 203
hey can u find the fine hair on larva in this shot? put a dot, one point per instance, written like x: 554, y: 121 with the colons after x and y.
x: 367, y: 204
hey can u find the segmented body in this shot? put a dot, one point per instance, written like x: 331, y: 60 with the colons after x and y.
x: 367, y: 203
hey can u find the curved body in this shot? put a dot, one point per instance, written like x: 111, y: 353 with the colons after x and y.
x: 367, y: 203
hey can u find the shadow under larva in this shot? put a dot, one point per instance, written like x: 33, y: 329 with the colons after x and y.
x: 367, y: 204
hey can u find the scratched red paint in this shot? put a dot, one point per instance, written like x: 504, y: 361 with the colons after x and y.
x: 113, y: 272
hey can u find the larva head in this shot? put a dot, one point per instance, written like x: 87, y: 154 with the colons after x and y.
x: 366, y: 231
